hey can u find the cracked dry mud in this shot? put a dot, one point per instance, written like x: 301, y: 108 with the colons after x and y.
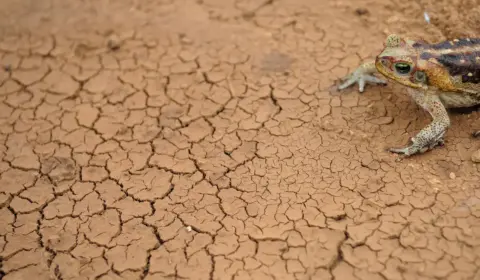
x: 202, y: 140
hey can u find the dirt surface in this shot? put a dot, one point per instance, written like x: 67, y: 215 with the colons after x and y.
x: 203, y: 140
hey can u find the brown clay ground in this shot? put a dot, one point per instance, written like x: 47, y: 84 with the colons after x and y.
x: 209, y: 144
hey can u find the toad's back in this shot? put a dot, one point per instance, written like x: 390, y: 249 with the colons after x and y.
x: 460, y: 60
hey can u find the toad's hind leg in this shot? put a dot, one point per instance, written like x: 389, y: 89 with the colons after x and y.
x: 433, y: 134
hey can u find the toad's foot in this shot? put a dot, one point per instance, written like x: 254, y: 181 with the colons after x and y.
x: 416, y: 147
x: 362, y: 75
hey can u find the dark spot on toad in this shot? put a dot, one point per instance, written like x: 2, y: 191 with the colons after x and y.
x: 461, y: 64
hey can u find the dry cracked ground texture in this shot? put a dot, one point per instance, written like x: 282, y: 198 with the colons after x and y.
x: 203, y: 140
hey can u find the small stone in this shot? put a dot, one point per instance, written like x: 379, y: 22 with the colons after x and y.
x: 361, y: 11
x: 184, y: 39
x: 452, y: 175
x: 114, y: 42
x: 189, y: 228
x: 476, y: 156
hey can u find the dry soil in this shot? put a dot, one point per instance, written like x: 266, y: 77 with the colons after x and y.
x: 182, y: 139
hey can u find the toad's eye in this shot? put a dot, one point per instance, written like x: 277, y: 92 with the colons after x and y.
x: 403, y: 68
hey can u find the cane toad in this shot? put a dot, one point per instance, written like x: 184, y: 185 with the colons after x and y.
x: 437, y: 76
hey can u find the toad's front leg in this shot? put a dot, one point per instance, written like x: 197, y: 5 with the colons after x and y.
x: 433, y: 134
x: 362, y: 75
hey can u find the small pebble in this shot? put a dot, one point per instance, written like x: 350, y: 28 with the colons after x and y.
x: 426, y: 17
x: 452, y: 175
x: 361, y: 11
x: 184, y: 39
x: 476, y: 156
x: 189, y: 228
x: 114, y: 43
